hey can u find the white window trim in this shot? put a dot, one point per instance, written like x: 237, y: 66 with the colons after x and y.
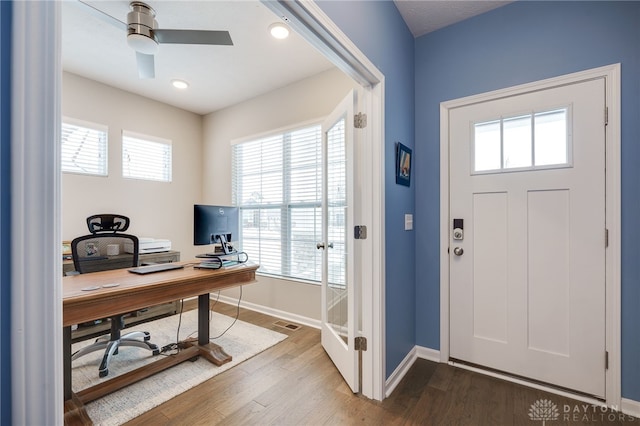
x: 93, y: 126
x: 274, y: 132
x: 149, y: 138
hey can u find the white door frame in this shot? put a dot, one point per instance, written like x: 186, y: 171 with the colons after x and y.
x: 316, y: 27
x: 38, y: 291
x: 611, y: 73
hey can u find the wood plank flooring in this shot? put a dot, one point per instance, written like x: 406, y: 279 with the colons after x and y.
x: 295, y: 383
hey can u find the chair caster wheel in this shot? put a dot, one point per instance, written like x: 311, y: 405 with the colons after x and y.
x: 103, y: 373
x: 147, y: 337
x: 155, y: 352
x: 194, y: 359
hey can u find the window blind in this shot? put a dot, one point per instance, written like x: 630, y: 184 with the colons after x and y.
x: 277, y: 184
x: 337, y: 205
x: 84, y: 147
x: 146, y: 157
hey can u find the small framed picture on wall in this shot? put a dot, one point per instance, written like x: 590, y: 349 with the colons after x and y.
x: 403, y: 165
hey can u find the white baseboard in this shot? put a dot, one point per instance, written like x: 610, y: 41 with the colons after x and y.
x: 428, y: 354
x: 401, y: 370
x: 630, y: 407
x: 398, y: 374
x: 298, y: 319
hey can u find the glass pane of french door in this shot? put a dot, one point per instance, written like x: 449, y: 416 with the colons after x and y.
x: 336, y: 288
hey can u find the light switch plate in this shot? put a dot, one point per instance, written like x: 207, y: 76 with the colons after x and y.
x: 408, y: 222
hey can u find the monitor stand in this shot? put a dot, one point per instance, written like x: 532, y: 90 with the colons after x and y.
x: 224, y: 244
x: 212, y: 255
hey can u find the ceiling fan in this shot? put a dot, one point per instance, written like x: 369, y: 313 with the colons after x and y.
x: 144, y: 36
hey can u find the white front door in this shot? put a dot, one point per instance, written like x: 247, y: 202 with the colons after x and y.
x: 338, y: 291
x: 527, y: 266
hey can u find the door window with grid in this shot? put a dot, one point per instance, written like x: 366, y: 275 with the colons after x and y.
x: 277, y: 183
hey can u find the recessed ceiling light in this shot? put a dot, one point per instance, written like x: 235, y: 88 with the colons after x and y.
x: 279, y: 30
x: 179, y: 84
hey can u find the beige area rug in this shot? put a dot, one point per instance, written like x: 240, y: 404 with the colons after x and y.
x: 241, y: 341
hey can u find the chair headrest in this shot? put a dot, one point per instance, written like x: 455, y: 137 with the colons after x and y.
x: 107, y: 223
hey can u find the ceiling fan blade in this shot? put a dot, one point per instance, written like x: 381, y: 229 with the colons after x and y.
x: 145, y: 65
x: 193, y: 37
x: 101, y: 15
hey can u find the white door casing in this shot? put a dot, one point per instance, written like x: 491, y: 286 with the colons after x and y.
x: 611, y: 75
x: 352, y: 60
x: 310, y: 21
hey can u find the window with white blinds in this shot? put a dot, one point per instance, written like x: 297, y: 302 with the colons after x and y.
x: 277, y: 184
x: 84, y: 147
x: 146, y: 157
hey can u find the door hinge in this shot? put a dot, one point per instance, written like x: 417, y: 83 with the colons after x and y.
x: 360, y: 343
x: 606, y: 238
x: 606, y: 116
x: 360, y: 120
x: 360, y: 232
x: 606, y: 360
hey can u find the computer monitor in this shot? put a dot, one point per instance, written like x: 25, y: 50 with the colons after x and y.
x: 215, y: 225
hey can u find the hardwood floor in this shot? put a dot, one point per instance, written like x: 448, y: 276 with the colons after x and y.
x: 295, y: 383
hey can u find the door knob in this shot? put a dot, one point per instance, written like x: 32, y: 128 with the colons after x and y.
x: 321, y: 245
x: 458, y: 251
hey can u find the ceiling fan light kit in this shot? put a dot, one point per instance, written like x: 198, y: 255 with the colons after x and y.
x: 144, y: 36
x: 140, y: 25
x: 142, y: 44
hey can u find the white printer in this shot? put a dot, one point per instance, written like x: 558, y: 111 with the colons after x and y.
x: 149, y: 245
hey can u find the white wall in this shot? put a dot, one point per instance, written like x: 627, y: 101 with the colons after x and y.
x: 201, y: 166
x: 309, y: 99
x: 156, y: 209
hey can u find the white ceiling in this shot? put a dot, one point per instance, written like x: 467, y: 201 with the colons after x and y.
x: 219, y: 76
x: 425, y: 16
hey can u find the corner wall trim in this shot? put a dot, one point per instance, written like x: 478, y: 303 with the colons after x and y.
x: 630, y: 407
x: 417, y: 352
x: 401, y: 370
x: 428, y: 353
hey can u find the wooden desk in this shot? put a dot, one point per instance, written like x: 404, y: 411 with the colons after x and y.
x: 136, y: 292
x: 121, y: 261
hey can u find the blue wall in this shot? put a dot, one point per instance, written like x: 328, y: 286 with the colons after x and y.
x: 379, y: 31
x: 519, y: 43
x: 5, y: 211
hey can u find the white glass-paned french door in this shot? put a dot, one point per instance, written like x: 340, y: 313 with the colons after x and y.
x: 339, y: 314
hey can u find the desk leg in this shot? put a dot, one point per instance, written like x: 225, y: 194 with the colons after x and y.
x: 74, y: 411
x: 203, y: 319
x: 66, y: 359
x: 212, y: 352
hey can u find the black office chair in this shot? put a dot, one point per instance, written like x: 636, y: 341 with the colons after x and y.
x: 107, y: 247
